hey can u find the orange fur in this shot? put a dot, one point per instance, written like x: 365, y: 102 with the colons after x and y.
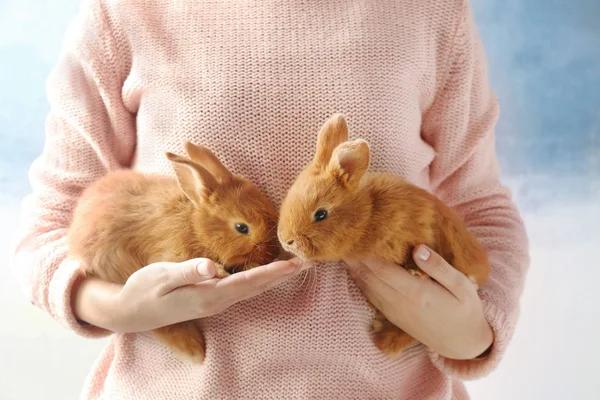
x: 127, y: 220
x: 376, y: 214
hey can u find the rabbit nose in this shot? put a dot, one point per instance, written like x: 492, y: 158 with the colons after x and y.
x: 290, y: 242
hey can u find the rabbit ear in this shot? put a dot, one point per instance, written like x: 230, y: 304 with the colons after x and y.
x: 350, y: 161
x: 196, y: 182
x: 208, y: 160
x: 333, y: 133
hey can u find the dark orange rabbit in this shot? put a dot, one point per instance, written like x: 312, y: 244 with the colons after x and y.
x: 336, y: 210
x: 127, y: 220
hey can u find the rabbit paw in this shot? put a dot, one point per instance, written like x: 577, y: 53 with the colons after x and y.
x: 419, y: 273
x: 221, y: 272
x: 388, y: 338
x: 185, y: 339
x: 414, y: 270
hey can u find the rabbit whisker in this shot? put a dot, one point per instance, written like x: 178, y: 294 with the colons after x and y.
x: 305, y: 273
x: 272, y: 229
x: 315, y: 283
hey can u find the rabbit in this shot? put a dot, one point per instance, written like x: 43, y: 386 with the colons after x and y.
x: 127, y: 220
x: 336, y: 210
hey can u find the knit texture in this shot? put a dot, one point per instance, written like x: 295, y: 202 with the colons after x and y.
x: 254, y: 80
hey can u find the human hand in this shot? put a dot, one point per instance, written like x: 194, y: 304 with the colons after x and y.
x: 445, y: 315
x: 166, y: 293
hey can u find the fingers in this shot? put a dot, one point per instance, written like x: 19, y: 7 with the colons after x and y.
x: 392, y: 275
x: 246, y: 284
x: 368, y: 282
x: 189, y: 272
x: 446, y: 275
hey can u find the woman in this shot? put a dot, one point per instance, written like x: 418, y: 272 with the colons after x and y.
x: 253, y: 81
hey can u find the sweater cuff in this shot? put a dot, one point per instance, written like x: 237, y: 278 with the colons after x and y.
x: 59, y: 298
x: 480, y: 367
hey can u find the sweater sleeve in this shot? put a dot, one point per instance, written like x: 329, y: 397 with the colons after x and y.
x: 88, y: 132
x: 465, y: 174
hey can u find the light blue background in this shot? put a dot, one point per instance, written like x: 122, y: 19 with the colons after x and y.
x: 544, y: 58
x: 545, y: 66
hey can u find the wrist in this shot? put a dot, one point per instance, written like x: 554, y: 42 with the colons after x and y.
x: 95, y: 302
x: 479, y: 344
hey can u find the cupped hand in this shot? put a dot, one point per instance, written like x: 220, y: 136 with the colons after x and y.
x: 166, y: 293
x: 445, y: 314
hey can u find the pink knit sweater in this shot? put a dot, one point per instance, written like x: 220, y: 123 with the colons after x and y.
x: 254, y: 80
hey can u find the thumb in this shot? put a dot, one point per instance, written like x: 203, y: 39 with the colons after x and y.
x: 191, y: 272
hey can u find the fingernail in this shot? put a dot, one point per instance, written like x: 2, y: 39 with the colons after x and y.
x: 206, y: 268
x: 423, y: 253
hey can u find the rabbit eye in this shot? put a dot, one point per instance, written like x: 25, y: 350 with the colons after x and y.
x: 320, y: 215
x: 242, y: 228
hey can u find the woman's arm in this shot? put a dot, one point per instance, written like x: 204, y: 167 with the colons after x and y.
x: 465, y: 174
x: 88, y: 132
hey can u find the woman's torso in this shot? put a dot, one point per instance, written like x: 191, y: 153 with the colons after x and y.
x: 254, y: 80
